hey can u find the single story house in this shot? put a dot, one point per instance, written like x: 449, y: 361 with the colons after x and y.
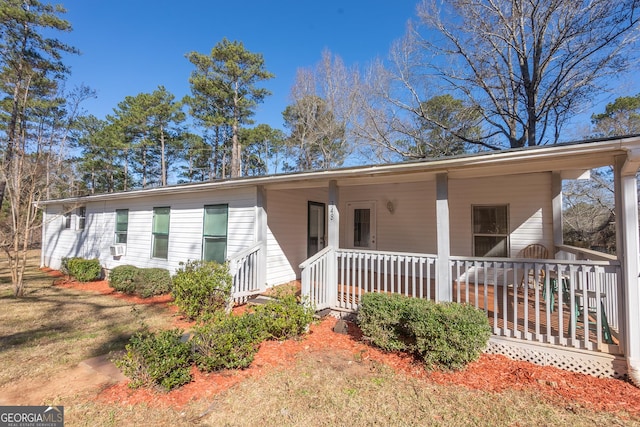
x: 484, y: 229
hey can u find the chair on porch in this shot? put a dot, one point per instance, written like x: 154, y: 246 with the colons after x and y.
x: 592, y: 311
x: 533, y: 251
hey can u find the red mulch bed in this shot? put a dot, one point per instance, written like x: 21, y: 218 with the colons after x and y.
x: 493, y: 373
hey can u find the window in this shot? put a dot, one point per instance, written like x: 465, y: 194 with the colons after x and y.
x: 81, y: 212
x: 160, y: 244
x: 214, y: 244
x: 122, y: 225
x: 361, y: 228
x: 490, y: 231
x: 66, y: 219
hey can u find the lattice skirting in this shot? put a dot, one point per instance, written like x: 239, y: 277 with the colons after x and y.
x: 600, y: 365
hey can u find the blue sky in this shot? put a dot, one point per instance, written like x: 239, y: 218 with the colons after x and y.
x: 132, y: 46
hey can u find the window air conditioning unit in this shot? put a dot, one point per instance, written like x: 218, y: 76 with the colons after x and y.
x: 118, y: 249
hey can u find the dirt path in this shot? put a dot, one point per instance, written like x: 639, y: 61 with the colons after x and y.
x: 87, y: 379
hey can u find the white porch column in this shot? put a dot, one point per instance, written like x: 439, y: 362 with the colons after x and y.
x: 261, y: 234
x: 333, y: 223
x: 333, y: 240
x: 556, y: 209
x: 628, y: 246
x: 444, y: 287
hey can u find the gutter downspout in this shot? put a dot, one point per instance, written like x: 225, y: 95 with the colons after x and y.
x: 43, y: 234
x: 627, y: 199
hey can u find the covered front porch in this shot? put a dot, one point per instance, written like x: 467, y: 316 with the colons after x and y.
x: 412, y: 229
x: 523, y: 298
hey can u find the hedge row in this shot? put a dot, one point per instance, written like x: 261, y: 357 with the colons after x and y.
x: 221, y: 341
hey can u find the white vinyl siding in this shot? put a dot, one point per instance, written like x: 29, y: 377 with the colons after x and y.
x: 287, y: 212
x: 529, y: 200
x: 408, y: 227
x: 185, y: 229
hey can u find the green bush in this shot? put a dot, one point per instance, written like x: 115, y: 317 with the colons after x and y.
x: 227, y: 342
x: 202, y: 288
x: 84, y: 270
x: 123, y: 278
x: 449, y: 335
x: 380, y: 319
x: 144, y: 282
x: 160, y: 359
x: 284, y: 317
x: 153, y: 281
x: 444, y: 336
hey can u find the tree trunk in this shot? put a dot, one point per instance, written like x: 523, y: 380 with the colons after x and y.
x: 235, y: 148
x: 235, y: 153
x: 3, y: 185
x: 163, y: 178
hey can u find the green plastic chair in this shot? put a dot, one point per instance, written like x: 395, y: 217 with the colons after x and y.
x: 579, y: 308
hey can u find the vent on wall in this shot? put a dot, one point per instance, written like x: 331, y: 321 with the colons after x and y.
x: 118, y: 249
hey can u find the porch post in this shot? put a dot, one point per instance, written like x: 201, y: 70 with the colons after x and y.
x: 628, y: 245
x: 556, y: 209
x: 261, y: 234
x: 333, y: 240
x: 444, y: 290
x: 334, y: 216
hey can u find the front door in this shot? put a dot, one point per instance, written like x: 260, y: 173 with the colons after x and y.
x: 361, y: 228
x: 315, y: 228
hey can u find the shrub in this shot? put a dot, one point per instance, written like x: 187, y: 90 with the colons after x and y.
x: 153, y: 281
x: 284, y: 317
x: 160, y: 359
x: 144, y: 282
x: 444, y: 336
x: 227, y: 342
x: 202, y: 288
x: 448, y: 335
x: 123, y: 278
x: 84, y: 270
x: 380, y: 319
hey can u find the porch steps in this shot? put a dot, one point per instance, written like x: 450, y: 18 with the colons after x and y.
x: 260, y: 299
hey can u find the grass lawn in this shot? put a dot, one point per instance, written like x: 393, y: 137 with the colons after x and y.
x: 52, y: 329
x: 44, y: 336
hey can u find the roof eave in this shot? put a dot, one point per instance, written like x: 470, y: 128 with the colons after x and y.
x: 560, y: 154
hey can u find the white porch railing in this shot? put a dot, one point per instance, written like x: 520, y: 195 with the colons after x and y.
x: 338, y: 278
x: 319, y: 279
x: 245, y: 270
x: 560, y: 302
x: 361, y: 271
x: 548, y: 301
x: 612, y: 286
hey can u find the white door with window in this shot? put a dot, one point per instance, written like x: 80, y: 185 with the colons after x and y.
x: 361, y: 225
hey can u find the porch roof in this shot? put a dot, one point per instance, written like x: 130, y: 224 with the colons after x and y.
x: 569, y: 158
